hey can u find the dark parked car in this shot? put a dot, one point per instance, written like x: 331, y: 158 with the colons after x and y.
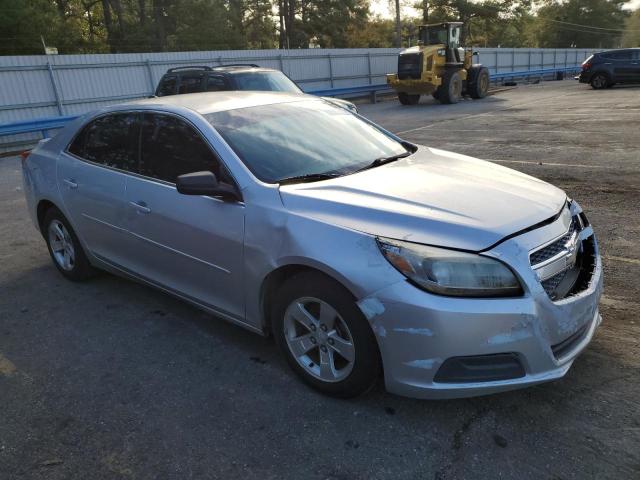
x: 605, y: 69
x: 195, y: 79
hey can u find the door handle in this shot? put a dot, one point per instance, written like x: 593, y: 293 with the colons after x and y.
x: 69, y: 182
x: 140, y: 206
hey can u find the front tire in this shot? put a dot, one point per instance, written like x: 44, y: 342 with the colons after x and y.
x: 451, y: 89
x: 324, y: 336
x: 65, y: 248
x: 599, y: 81
x: 408, y: 99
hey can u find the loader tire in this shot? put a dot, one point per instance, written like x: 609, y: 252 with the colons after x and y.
x: 451, y: 89
x: 478, y: 85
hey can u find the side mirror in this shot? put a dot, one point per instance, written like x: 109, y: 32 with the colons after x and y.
x: 205, y: 183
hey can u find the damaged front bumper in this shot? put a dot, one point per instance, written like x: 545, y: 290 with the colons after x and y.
x: 443, y: 347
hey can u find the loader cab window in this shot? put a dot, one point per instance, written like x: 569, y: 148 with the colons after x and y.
x: 454, y: 41
x: 434, y: 35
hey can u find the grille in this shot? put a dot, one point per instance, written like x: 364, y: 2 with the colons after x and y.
x: 550, y: 284
x: 409, y: 65
x: 577, y: 278
x: 554, y: 248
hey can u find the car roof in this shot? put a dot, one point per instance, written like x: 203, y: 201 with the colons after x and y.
x: 211, y: 102
x: 238, y: 68
x: 632, y: 49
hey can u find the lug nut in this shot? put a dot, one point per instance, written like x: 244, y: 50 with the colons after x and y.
x: 323, y: 327
x: 330, y: 341
x: 313, y: 327
x: 313, y: 340
x: 323, y: 348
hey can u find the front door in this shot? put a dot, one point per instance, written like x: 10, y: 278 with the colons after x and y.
x: 91, y: 178
x: 191, y: 245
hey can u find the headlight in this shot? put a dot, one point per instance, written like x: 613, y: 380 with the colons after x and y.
x: 449, y: 272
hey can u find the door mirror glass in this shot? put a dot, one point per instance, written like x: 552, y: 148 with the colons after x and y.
x: 205, y: 183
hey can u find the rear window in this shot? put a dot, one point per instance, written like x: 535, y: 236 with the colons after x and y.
x: 110, y: 140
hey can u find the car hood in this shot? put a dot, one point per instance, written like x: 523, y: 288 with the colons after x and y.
x: 339, y: 102
x: 431, y: 197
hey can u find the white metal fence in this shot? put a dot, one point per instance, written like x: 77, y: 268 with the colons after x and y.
x: 45, y: 86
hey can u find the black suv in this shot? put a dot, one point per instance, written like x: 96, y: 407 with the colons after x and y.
x: 194, y: 79
x: 605, y: 69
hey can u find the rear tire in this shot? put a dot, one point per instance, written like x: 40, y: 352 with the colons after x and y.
x: 478, y: 86
x: 65, y: 248
x: 316, y: 322
x: 451, y: 89
x: 599, y: 81
x: 408, y: 99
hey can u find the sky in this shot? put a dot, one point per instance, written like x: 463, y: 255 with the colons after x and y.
x: 385, y: 9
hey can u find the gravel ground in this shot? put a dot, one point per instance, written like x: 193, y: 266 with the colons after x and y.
x: 113, y: 380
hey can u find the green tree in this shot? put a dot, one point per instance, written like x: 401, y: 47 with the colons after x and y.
x: 631, y: 34
x: 377, y: 32
x: 580, y: 23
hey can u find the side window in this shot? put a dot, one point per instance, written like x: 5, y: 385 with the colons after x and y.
x: 190, y: 83
x: 216, y: 84
x: 620, y: 56
x: 170, y: 147
x: 167, y: 86
x: 110, y: 140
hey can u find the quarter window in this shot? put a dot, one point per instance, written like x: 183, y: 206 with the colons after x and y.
x: 170, y: 147
x: 110, y: 140
x: 167, y: 86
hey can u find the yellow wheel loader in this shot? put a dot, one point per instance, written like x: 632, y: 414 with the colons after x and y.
x: 440, y: 67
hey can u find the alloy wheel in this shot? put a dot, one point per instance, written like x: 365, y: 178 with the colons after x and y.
x: 61, y: 245
x: 319, y: 339
x: 599, y: 81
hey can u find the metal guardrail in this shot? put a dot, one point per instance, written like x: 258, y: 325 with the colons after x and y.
x: 44, y: 125
x: 532, y: 73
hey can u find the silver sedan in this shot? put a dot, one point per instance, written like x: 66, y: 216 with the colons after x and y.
x: 364, y: 256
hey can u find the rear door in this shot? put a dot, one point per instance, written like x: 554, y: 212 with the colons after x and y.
x: 91, y: 178
x: 191, y: 245
x: 623, y: 68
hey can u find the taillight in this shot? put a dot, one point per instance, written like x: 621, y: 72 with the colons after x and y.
x: 586, y: 66
x: 24, y: 155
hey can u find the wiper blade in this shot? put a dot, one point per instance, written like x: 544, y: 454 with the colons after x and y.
x: 382, y: 160
x: 310, y: 177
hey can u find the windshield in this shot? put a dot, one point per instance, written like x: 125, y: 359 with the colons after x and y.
x: 433, y: 35
x: 301, y: 138
x: 266, y: 81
